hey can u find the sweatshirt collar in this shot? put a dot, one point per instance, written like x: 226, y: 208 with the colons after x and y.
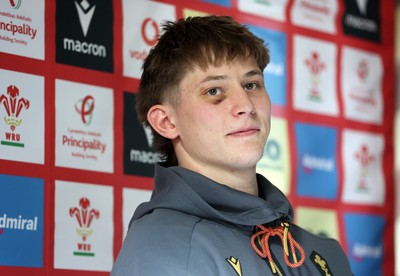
x: 186, y: 191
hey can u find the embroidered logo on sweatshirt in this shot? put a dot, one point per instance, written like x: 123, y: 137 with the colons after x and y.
x: 320, y: 264
x: 235, y: 264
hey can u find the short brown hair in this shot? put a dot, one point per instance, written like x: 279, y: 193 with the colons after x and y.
x: 194, y: 41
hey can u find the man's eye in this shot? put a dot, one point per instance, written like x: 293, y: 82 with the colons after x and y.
x: 214, y: 91
x: 250, y: 86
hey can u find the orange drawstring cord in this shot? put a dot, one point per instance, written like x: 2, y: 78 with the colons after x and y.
x: 283, y: 233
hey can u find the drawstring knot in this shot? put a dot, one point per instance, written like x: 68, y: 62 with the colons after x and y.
x: 282, y: 231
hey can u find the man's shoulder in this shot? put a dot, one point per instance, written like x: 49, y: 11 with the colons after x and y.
x: 156, y: 243
x: 163, y: 227
x: 167, y: 219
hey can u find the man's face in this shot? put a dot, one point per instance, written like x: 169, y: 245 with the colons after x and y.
x: 223, y: 118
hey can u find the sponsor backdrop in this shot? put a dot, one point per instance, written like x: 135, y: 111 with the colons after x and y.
x: 75, y: 162
x: 397, y: 139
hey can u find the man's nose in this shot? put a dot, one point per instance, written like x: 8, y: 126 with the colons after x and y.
x: 241, y: 102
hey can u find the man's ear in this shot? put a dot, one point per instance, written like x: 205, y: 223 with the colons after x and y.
x: 159, y: 117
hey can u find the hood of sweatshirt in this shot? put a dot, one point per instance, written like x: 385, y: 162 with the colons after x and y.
x: 185, y: 191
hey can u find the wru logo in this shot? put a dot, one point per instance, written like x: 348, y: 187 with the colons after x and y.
x: 13, y: 106
x: 84, y: 216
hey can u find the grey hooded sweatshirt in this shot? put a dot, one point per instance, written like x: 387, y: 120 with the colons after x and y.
x: 195, y: 226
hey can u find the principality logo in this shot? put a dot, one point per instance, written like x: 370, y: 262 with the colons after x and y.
x: 235, y: 264
x: 315, y: 66
x: 15, y: 4
x: 364, y: 158
x: 84, y: 107
x: 363, y: 70
x: 84, y: 216
x: 85, y: 12
x: 13, y: 105
x: 362, y: 93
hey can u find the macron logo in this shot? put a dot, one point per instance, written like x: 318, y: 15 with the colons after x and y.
x: 85, y: 13
x: 149, y: 135
x: 362, y: 6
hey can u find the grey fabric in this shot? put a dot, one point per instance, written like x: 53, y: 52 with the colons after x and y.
x: 195, y: 226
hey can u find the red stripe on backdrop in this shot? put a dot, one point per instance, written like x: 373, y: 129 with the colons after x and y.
x: 120, y: 84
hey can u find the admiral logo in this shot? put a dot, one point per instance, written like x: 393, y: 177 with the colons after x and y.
x: 365, y: 248
x: 139, y: 157
x: 362, y: 19
x: 315, y: 66
x: 18, y: 223
x: 86, y: 39
x: 364, y: 159
x: 311, y: 162
x: 361, y: 251
x: 21, y: 221
x: 317, y: 174
x: 13, y: 105
x: 84, y: 216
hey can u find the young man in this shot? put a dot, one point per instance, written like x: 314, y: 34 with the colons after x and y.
x: 203, y: 94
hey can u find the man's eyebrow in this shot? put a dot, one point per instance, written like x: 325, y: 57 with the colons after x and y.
x: 214, y: 78
x: 225, y: 77
x: 253, y: 73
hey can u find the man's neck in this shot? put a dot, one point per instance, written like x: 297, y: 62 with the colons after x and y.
x: 241, y: 180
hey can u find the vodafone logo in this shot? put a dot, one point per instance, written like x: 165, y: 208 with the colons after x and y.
x: 15, y: 4
x: 150, y: 31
